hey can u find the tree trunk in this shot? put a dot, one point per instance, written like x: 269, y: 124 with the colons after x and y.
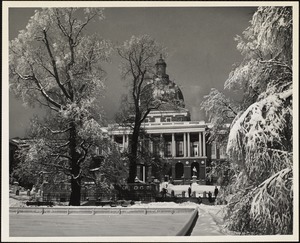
x: 75, y: 192
x: 133, y: 154
x: 76, y: 177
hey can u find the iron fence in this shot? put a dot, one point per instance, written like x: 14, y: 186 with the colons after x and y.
x: 86, y: 196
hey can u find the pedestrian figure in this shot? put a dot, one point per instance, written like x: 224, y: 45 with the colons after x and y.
x: 190, y: 190
x: 216, y: 191
x: 209, y: 197
x: 33, y: 191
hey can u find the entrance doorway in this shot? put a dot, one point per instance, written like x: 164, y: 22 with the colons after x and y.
x: 178, y: 170
x: 196, y: 166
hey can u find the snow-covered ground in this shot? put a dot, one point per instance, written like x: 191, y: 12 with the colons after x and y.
x: 216, y: 211
x: 204, y: 226
x: 165, y: 205
x: 16, y: 203
x: 210, y: 220
x: 178, y: 189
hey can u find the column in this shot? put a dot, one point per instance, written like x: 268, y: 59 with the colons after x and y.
x: 151, y: 145
x: 144, y: 173
x: 200, y: 144
x: 138, y: 171
x: 204, y: 144
x: 163, y: 146
x: 189, y: 145
x: 149, y: 173
x: 173, y: 145
x: 173, y: 170
x: 123, y: 142
x: 127, y: 140
x: 184, y: 145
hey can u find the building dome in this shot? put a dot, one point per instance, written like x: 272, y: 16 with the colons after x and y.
x: 163, y: 87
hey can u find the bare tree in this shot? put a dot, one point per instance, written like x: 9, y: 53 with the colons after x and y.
x: 139, y: 55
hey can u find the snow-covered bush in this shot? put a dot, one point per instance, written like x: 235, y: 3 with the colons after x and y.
x: 259, y: 176
x: 260, y: 140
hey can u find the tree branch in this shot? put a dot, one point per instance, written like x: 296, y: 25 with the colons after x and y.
x: 54, y: 66
x: 61, y: 155
x: 58, y: 132
x: 37, y: 82
x: 47, y: 105
x: 277, y: 63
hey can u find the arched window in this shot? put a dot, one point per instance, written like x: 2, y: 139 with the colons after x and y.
x: 178, y: 170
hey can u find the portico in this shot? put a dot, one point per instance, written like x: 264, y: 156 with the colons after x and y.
x: 182, y: 144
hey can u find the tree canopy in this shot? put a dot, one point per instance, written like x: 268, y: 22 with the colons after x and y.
x: 259, y: 148
x: 54, y: 64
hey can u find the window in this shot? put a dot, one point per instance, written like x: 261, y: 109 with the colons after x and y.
x: 179, y: 169
x: 222, y: 152
x: 213, y: 150
x: 157, y: 119
x: 168, y: 149
x: 156, y: 148
x: 194, y: 149
x: 179, y: 149
x: 146, y: 120
x: 168, y: 119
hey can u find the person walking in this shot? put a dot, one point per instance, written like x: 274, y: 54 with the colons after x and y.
x: 209, y: 197
x: 216, y: 191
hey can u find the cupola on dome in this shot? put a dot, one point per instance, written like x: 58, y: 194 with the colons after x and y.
x: 163, y: 86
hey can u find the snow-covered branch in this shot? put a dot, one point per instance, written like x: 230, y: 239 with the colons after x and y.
x: 62, y: 156
x: 277, y: 63
x: 57, y: 131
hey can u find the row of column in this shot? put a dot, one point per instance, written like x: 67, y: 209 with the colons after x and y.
x: 186, y: 144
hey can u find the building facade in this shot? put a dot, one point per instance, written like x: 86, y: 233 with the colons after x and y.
x: 179, y: 142
x: 173, y: 136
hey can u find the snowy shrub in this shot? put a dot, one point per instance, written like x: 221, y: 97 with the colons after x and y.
x: 258, y: 183
x: 260, y: 139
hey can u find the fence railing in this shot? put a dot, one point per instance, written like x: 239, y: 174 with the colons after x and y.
x: 85, y: 196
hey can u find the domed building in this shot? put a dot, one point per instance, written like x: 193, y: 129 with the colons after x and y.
x: 182, y: 143
x: 165, y: 89
x: 164, y: 85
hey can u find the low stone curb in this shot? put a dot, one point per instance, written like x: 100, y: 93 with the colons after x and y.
x: 96, y: 210
x: 189, y: 225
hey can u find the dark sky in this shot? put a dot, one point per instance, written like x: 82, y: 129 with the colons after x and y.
x: 199, y: 40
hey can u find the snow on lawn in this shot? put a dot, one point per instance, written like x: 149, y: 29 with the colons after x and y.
x: 16, y: 203
x: 178, y: 189
x: 164, y: 205
x: 217, y: 214
x: 216, y: 211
